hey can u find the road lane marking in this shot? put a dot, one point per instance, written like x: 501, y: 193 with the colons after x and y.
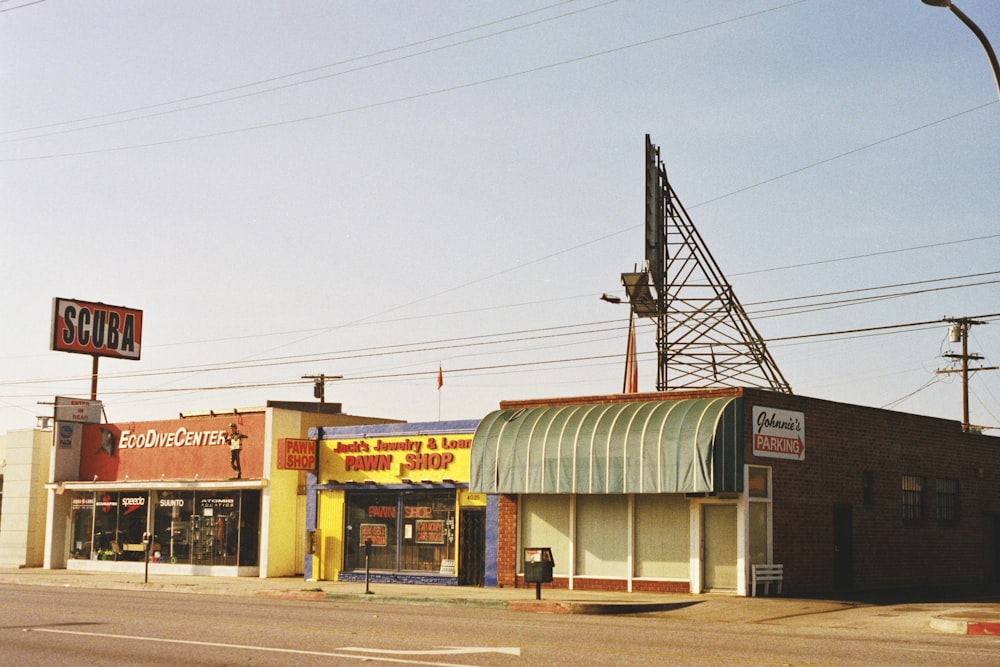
x: 444, y: 650
x: 245, y: 647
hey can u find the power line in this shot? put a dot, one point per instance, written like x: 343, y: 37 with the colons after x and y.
x: 889, y: 406
x: 508, y: 337
x: 299, y: 73
x: 407, y: 98
x: 27, y: 4
x: 313, y: 332
x: 864, y: 256
x: 859, y: 149
x: 881, y: 287
x: 471, y: 369
x: 812, y: 308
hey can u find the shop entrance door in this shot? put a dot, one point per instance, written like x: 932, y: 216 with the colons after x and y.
x: 472, y: 547
x: 991, y: 551
x: 843, y: 548
x: 719, y: 555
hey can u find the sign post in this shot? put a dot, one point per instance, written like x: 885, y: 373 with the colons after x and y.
x: 147, y: 542
x: 368, y: 553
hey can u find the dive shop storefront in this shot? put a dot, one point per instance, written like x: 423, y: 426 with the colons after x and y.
x: 209, y: 494
x: 191, y: 488
x: 393, y: 500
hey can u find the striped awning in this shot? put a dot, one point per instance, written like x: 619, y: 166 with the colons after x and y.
x: 681, y: 446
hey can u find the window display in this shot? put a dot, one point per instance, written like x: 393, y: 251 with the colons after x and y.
x: 409, y: 530
x: 172, y: 526
x: 82, y: 521
x: 189, y: 527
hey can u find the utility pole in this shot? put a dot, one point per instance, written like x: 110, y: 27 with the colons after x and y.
x: 319, y: 384
x: 959, y: 333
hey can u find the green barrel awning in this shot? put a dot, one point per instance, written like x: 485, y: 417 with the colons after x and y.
x: 682, y: 446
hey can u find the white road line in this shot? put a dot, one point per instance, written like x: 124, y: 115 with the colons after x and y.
x: 369, y: 658
x: 444, y: 650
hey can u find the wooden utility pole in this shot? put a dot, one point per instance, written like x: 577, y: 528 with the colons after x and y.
x: 959, y: 332
x: 319, y: 384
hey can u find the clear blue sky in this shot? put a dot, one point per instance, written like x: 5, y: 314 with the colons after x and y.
x: 371, y: 189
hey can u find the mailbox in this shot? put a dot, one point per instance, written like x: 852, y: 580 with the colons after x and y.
x: 538, y: 564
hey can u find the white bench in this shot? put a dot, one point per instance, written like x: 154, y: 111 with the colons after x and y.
x: 765, y: 573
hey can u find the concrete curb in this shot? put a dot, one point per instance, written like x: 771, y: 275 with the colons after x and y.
x: 533, y: 606
x: 967, y: 623
x: 375, y: 598
x: 293, y: 595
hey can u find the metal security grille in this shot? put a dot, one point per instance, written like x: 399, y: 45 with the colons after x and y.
x: 947, y: 499
x: 913, y: 498
x: 472, y: 547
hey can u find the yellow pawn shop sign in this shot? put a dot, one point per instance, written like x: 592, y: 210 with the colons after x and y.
x: 389, y: 460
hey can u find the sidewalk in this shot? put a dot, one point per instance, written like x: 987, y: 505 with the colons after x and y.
x: 961, y: 617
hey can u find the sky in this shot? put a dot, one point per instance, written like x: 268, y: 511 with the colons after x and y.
x: 376, y: 190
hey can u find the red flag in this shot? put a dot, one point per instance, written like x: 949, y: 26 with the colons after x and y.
x: 440, y: 377
x: 631, y: 382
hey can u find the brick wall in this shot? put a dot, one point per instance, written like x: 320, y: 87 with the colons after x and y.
x: 613, y: 585
x: 507, y: 560
x: 842, y: 443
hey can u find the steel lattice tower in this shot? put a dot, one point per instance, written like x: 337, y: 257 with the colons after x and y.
x: 704, y: 338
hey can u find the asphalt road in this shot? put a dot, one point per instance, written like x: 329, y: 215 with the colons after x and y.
x: 44, y: 625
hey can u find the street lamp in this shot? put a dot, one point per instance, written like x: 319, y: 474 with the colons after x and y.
x: 975, y: 29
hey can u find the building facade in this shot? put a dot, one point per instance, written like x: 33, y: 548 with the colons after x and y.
x: 24, y: 469
x: 391, y: 502
x: 210, y: 493
x: 685, y: 491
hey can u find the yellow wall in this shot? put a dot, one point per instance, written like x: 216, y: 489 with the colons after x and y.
x: 280, y: 507
x: 329, y: 557
x: 285, y: 531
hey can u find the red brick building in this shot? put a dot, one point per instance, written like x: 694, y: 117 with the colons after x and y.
x: 685, y: 491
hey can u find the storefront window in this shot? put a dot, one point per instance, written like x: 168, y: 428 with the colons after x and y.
x: 372, y: 517
x: 759, y: 513
x: 662, y: 536
x: 82, y: 521
x: 108, y: 525
x: 545, y: 521
x: 759, y: 531
x: 412, y: 531
x: 215, y: 528
x: 172, y: 526
x: 428, y: 530
x: 601, y: 535
x: 758, y: 482
x: 132, y: 520
x: 203, y: 528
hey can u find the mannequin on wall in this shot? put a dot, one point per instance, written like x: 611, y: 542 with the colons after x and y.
x: 235, y: 444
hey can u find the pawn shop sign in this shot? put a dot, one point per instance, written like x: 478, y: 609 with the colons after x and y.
x: 296, y: 454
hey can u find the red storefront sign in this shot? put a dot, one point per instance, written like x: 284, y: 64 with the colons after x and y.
x: 296, y: 454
